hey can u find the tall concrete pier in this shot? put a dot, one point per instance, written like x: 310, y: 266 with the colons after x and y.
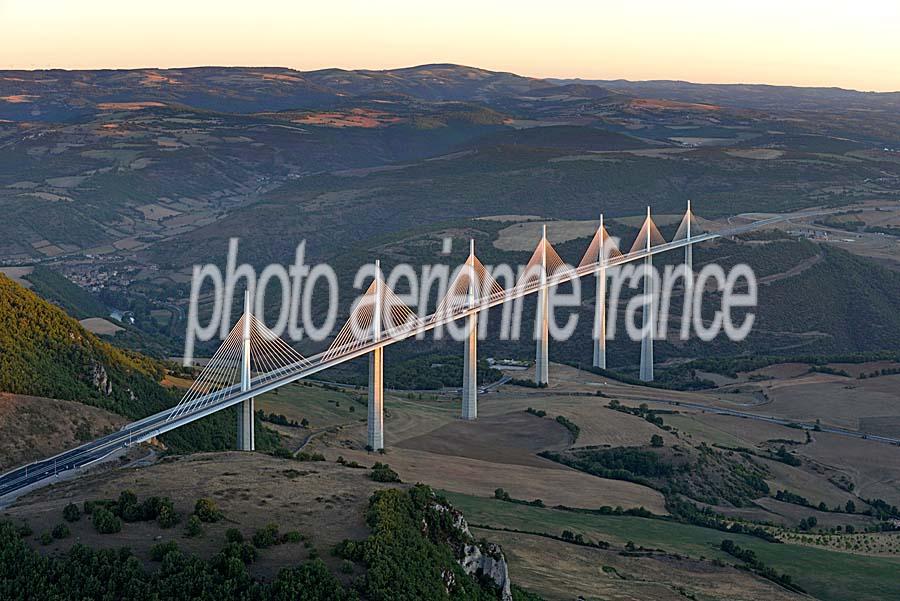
x: 246, y: 436
x: 375, y: 425
x: 600, y: 303
x: 542, y: 360
x: 649, y: 324
x: 470, y: 354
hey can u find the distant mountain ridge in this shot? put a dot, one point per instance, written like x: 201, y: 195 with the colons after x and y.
x: 63, y: 95
x: 748, y: 96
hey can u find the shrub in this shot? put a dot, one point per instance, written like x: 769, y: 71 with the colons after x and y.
x: 167, y: 517
x: 571, y: 426
x: 382, y: 472
x: 152, y: 507
x: 283, y: 453
x: 71, y: 513
x: 233, y: 535
x: 105, y: 522
x: 24, y: 531
x: 352, y: 464
x: 656, y: 440
x: 207, y: 511
x: 243, y: 551
x: 127, y: 507
x: 61, y: 531
x: 346, y: 567
x: 194, y: 527
x: 127, y: 497
x: 159, y: 551
x: 248, y: 553
x: 46, y: 538
x: 266, y: 537
x: 304, y: 456
x: 292, y: 537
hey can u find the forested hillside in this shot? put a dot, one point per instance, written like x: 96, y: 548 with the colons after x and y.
x: 46, y: 353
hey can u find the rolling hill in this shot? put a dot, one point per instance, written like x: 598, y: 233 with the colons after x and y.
x: 46, y: 353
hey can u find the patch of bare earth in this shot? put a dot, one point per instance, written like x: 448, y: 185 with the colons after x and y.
x: 760, y: 154
x: 514, y: 438
x: 98, y: 325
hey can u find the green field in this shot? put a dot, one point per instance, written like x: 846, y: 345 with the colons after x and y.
x: 322, y: 407
x: 827, y: 575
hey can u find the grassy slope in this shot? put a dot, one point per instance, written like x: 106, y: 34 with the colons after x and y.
x: 828, y: 575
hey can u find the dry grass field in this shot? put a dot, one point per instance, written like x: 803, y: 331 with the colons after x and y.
x: 324, y: 501
x: 835, y: 400
x: 433, y: 446
x: 874, y: 468
x: 100, y: 326
x: 560, y: 572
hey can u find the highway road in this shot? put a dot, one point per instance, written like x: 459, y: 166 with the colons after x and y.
x: 80, y: 456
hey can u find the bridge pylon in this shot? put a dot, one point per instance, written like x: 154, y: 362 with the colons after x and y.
x: 648, y: 235
x: 542, y: 351
x: 470, y: 354
x: 246, y: 435
x: 599, y: 252
x: 375, y: 422
x: 689, y: 251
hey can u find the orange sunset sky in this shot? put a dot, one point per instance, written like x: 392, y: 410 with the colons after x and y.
x: 797, y: 42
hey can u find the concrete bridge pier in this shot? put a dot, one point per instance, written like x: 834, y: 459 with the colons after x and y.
x: 470, y: 371
x: 600, y: 306
x: 542, y: 358
x: 470, y: 354
x: 246, y: 435
x: 648, y: 326
x: 375, y: 422
x: 375, y: 428
x: 600, y: 322
x: 688, y: 269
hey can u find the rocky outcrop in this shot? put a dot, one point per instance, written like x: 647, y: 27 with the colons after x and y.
x: 100, y: 379
x: 484, y: 561
x: 490, y: 563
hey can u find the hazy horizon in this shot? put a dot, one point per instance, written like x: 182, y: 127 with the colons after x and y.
x: 436, y: 63
x: 802, y: 43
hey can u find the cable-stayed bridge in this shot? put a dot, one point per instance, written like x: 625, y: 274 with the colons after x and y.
x: 252, y: 361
